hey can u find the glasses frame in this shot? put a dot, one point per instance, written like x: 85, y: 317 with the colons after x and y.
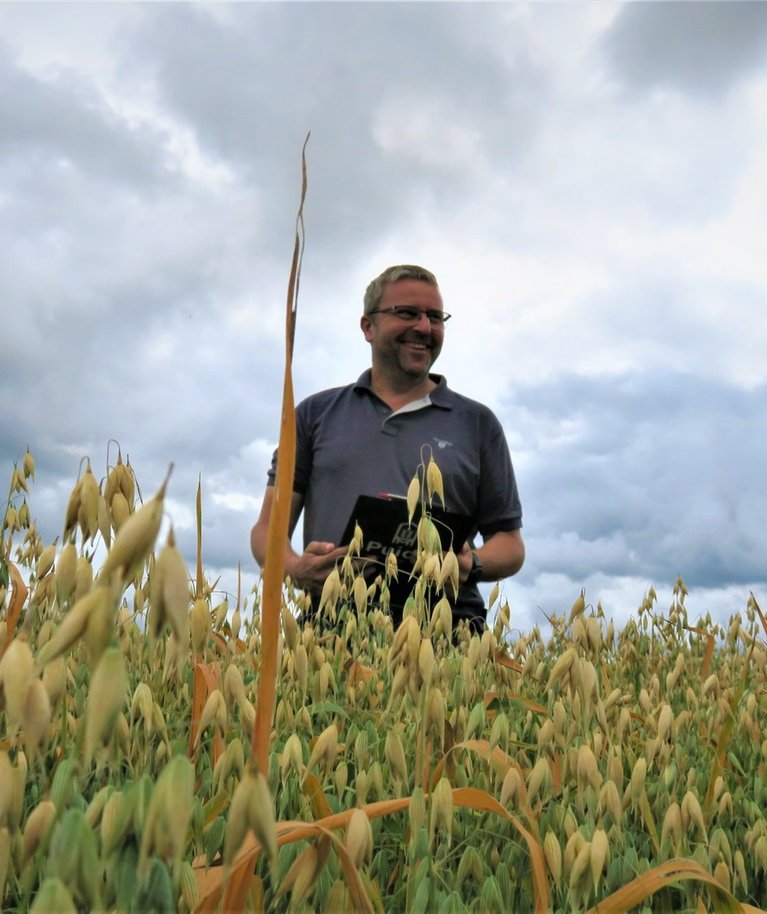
x: 435, y: 318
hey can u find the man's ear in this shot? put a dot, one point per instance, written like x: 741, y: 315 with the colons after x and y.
x: 367, y: 327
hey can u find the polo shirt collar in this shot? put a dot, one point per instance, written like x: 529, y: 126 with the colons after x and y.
x: 441, y: 396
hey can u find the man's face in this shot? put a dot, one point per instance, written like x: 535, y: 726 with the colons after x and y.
x: 407, y: 348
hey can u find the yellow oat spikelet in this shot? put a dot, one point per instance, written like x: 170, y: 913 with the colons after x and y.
x: 261, y: 816
x: 88, y: 509
x: 220, y: 613
x: 441, y: 813
x: 106, y: 697
x: 116, y: 819
x: 101, y: 623
x: 301, y: 666
x: 214, y: 711
x: 428, y: 537
x: 301, y: 876
x: 142, y: 707
x: 665, y: 720
x: 600, y: 855
x: 5, y: 857
x: 413, y: 496
x: 73, y: 625
x: 540, y: 781
x: 359, y: 838
x: 119, y: 511
x: 692, y: 813
x: 17, y: 669
x: 36, y: 828
x: 512, y: 786
x: 11, y: 521
x: 331, y: 591
x: 83, y: 578
x: 248, y: 715
x: 120, y: 481
x: 360, y: 592
x: 238, y: 822
x: 450, y: 572
x: 434, y: 715
x: 105, y: 522
x: 552, y: 851
x: 395, y: 756
x: 168, y: 815
x: 28, y: 465
x: 292, y: 755
x: 434, y: 484
x: 201, y: 624
x: 7, y: 786
x: 391, y: 566
x: 637, y: 782
x: 234, y: 686
x: 37, y: 717
x: 578, y: 606
x: 561, y: 668
x: 45, y: 561
x: 324, y: 751
x: 672, y: 824
x: 135, y: 539
x: 66, y: 573
x: 236, y: 623
x: 55, y: 680
x: 73, y: 508
x: 426, y: 662
x: 587, y: 770
x: 580, y: 866
x: 169, y: 592
x: 18, y: 481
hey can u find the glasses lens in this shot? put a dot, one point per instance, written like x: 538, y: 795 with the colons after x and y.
x: 414, y: 314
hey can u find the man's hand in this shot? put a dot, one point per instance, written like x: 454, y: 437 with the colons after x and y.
x: 464, y: 563
x: 310, y: 569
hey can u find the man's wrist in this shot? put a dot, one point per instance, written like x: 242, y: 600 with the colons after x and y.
x: 475, y: 572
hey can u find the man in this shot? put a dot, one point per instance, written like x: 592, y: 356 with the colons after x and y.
x: 369, y: 437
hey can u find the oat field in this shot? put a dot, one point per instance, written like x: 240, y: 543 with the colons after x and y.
x: 161, y: 750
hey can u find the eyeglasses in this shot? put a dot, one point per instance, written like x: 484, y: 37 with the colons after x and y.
x: 411, y: 315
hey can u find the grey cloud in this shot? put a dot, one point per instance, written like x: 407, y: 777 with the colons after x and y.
x: 278, y: 70
x: 123, y: 271
x: 63, y: 122
x: 697, y: 47
x: 642, y: 473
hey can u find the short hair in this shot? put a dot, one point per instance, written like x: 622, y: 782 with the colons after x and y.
x: 375, y: 290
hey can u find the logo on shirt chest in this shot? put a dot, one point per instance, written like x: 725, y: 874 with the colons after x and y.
x: 442, y: 443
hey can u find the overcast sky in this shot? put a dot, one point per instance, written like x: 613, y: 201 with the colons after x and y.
x: 587, y: 181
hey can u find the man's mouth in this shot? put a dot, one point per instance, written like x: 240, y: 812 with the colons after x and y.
x: 421, y: 345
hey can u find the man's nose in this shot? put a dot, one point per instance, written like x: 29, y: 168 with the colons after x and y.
x: 423, y: 321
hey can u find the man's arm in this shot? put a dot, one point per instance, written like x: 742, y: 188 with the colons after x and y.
x: 309, y: 569
x: 501, y: 554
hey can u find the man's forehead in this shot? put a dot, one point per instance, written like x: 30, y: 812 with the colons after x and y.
x: 412, y: 289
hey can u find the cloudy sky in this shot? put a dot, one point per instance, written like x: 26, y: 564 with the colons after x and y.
x: 587, y: 180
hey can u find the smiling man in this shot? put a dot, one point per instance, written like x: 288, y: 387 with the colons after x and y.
x: 369, y: 437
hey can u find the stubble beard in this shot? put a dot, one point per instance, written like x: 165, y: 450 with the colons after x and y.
x: 398, y: 364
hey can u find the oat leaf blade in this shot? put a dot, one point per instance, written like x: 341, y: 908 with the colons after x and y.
x: 279, y: 521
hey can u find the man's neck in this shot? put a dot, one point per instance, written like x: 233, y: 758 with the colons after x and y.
x: 397, y: 394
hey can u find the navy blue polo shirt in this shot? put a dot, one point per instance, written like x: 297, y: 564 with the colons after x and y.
x: 350, y: 443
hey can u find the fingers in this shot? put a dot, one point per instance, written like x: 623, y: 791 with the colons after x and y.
x: 319, y: 548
